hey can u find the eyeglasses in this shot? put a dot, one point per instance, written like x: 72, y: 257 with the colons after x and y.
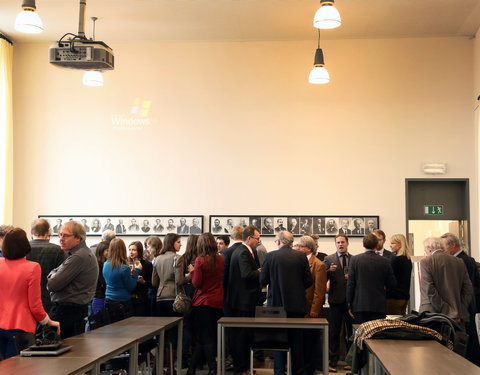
x: 62, y: 235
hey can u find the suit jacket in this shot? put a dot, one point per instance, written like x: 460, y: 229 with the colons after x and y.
x: 344, y: 231
x: 164, y: 275
x: 182, y: 229
x: 195, y: 229
x: 445, y: 286
x: 243, y: 290
x: 21, y: 306
x: 108, y: 227
x: 388, y: 254
x: 358, y: 231
x: 287, y: 274
x: 120, y: 228
x: 227, y: 256
x: 294, y: 229
x: 369, y: 276
x: 158, y: 228
x: 266, y: 230
x: 316, y: 293
x: 49, y: 256
x: 472, y: 274
x: 338, y: 283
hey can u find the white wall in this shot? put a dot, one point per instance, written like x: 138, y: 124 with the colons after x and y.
x: 235, y: 128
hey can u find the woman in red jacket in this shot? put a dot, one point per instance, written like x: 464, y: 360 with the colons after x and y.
x: 21, y: 306
x: 207, y: 301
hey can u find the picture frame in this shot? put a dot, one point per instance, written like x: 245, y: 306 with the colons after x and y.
x: 321, y: 225
x: 131, y: 225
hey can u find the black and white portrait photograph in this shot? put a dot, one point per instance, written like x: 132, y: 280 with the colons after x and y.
x: 280, y: 223
x: 331, y: 226
x: 306, y: 225
x: 319, y: 225
x: 294, y: 225
x: 344, y: 226
x: 371, y: 224
x: 358, y: 226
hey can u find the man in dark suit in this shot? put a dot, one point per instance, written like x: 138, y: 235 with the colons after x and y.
x: 58, y: 226
x: 319, y: 226
x: 133, y: 226
x: 287, y: 273
x: 217, y: 228
x: 195, y: 228
x: 331, y: 227
x: 344, y: 228
x: 244, y: 294
x: 280, y: 226
x: 108, y: 225
x: 371, y: 226
x: 369, y: 276
x: 293, y: 226
x: 267, y: 226
x: 182, y: 228
x: 47, y: 254
x: 358, y: 224
x: 380, y: 250
x: 338, y: 316
x: 120, y: 228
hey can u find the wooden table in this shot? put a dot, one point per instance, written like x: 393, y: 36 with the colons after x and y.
x: 416, y: 357
x: 295, y: 323
x: 91, y: 349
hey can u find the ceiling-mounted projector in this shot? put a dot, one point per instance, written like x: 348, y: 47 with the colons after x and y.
x: 78, y: 52
x: 82, y: 54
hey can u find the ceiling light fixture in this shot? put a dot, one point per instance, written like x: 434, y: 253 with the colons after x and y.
x: 327, y: 16
x: 319, y: 75
x: 28, y: 21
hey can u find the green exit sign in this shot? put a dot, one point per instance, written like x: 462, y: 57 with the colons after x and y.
x: 435, y: 209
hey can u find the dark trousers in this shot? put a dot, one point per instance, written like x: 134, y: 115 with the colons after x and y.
x: 338, y: 318
x: 295, y: 338
x: 118, y: 310
x: 366, y: 316
x: 165, y: 308
x: 7, y: 343
x: 71, y: 317
x: 204, y: 333
x: 242, y: 343
x: 473, y: 347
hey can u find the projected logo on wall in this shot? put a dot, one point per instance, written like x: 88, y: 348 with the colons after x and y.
x: 137, y: 118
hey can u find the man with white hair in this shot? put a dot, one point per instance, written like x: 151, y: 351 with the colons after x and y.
x: 107, y: 236
x: 445, y: 286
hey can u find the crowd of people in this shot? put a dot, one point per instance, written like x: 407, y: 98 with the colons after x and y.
x: 226, y: 276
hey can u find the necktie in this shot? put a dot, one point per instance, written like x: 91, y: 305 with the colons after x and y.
x: 344, y: 261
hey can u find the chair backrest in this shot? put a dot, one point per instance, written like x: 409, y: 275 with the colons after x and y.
x: 270, y: 312
x: 23, y: 341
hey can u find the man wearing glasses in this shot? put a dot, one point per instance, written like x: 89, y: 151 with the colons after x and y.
x: 72, y: 284
x: 244, y: 294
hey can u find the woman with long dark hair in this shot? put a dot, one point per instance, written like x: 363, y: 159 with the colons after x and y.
x: 98, y: 302
x: 121, y: 281
x: 140, y: 302
x: 207, y: 301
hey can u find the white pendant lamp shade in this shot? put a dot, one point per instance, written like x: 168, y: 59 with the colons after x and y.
x: 327, y: 16
x: 28, y: 21
x: 93, y: 78
x: 319, y: 75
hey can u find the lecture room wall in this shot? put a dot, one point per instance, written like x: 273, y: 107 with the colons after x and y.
x: 235, y: 128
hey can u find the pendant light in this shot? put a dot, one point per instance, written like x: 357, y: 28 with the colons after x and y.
x: 327, y: 16
x: 28, y: 21
x: 319, y: 75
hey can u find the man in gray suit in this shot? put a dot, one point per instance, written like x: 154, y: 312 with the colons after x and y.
x: 445, y: 286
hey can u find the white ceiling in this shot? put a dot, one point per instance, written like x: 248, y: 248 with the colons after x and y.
x: 243, y: 20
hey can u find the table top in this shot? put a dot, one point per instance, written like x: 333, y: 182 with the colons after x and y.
x: 273, y: 322
x: 400, y: 357
x: 90, y: 347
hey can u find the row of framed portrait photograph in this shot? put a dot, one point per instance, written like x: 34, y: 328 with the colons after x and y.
x: 127, y: 225
x: 131, y: 225
x: 325, y: 226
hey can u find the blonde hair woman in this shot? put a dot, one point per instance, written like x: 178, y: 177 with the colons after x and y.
x: 397, y: 299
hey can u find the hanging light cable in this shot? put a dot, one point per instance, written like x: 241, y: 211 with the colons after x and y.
x: 327, y: 16
x: 319, y: 75
x: 28, y: 21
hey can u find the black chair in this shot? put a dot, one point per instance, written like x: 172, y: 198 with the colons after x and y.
x: 24, y: 341
x: 271, y: 338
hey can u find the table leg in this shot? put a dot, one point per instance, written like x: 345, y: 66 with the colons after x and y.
x: 133, y: 362
x: 160, y: 351
x: 325, y: 349
x: 179, y: 346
